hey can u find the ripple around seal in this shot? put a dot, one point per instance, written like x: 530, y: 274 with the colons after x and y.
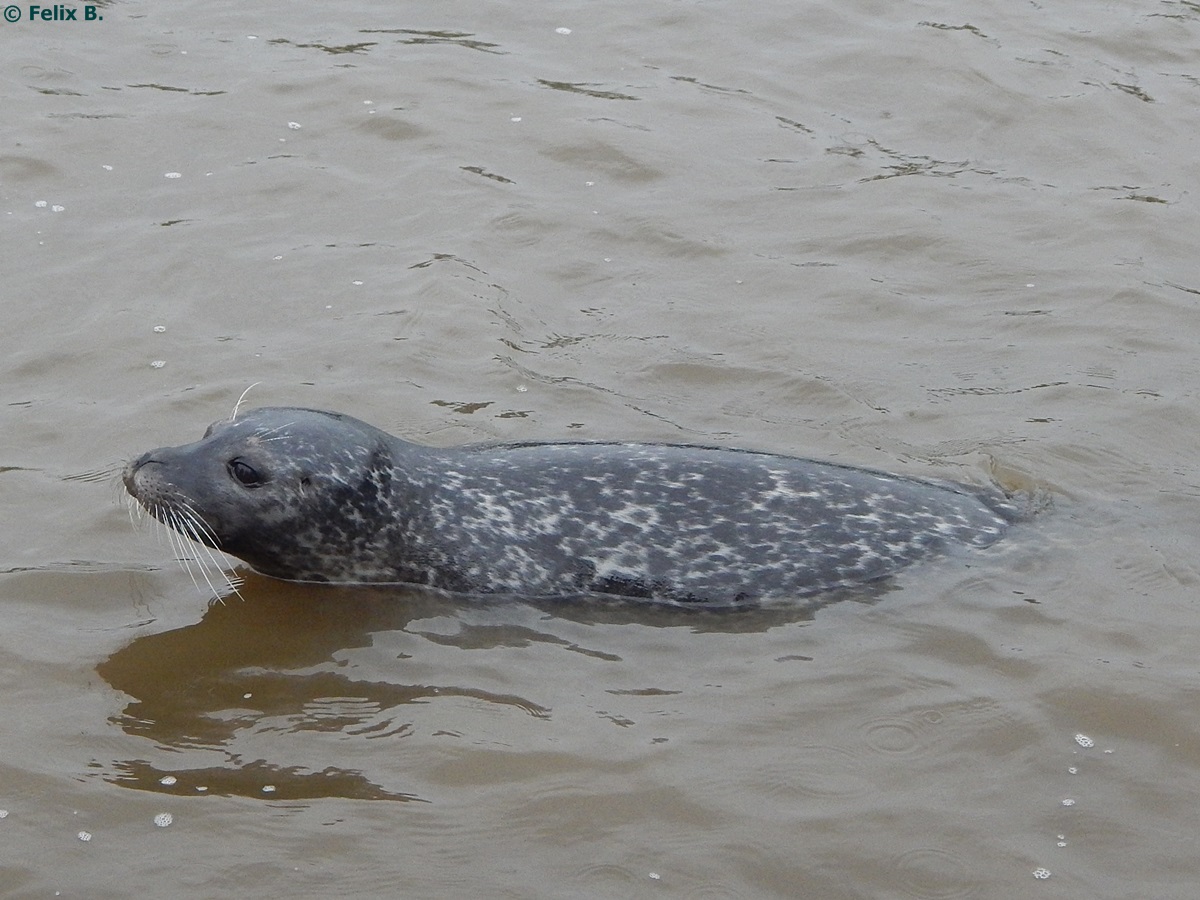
x: 935, y: 875
x: 816, y: 771
x: 892, y: 734
x: 924, y: 729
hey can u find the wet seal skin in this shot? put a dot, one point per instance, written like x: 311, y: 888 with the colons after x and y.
x: 306, y: 495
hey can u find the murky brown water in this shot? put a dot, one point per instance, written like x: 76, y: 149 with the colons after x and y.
x: 940, y: 239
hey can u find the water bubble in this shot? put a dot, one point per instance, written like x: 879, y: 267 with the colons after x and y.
x: 173, y: 175
x: 1041, y: 873
x: 1084, y: 741
x: 162, y: 820
x: 85, y: 836
x: 167, y: 780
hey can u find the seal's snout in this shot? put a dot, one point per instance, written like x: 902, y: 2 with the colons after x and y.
x: 129, y: 476
x: 143, y: 480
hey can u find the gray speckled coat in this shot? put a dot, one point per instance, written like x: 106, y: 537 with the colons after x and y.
x: 314, y: 496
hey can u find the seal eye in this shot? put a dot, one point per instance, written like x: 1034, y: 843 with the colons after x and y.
x: 245, y: 473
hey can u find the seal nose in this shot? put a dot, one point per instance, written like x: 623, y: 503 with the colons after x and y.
x: 129, y: 476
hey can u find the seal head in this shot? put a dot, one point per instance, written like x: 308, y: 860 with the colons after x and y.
x: 306, y: 495
x: 282, y: 492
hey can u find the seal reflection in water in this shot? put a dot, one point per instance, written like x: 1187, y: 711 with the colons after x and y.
x: 315, y: 496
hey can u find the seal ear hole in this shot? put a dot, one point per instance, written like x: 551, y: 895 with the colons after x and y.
x: 245, y: 473
x: 305, y: 481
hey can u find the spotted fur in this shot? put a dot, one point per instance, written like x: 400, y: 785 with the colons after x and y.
x: 314, y: 496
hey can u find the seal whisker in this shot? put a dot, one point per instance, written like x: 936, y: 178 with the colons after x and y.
x: 134, y: 510
x: 185, y: 534
x: 200, y: 531
x: 177, y: 534
x: 233, y: 415
x: 274, y: 434
x: 189, y: 523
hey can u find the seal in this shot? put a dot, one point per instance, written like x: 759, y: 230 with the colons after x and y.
x: 306, y: 495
